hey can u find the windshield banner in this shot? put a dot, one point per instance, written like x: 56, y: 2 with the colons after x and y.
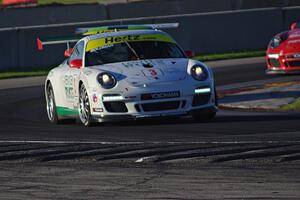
x: 102, y: 42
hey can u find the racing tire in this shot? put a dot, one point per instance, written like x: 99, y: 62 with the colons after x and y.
x: 51, y: 105
x: 84, y: 107
x: 208, y: 115
x: 216, y: 97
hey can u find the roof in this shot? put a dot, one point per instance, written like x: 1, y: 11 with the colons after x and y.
x: 124, y: 33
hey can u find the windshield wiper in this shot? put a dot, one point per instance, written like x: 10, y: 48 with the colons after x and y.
x: 132, y: 49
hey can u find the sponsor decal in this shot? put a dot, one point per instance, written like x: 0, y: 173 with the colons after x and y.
x: 69, y: 87
x: 130, y: 64
x: 296, y: 55
x: 160, y: 95
x: 293, y: 41
x: 95, y: 98
x: 102, y: 42
x: 104, y: 47
x: 294, y: 35
x: 97, y: 109
x: 154, y: 73
x: 138, y: 63
x: 118, y: 39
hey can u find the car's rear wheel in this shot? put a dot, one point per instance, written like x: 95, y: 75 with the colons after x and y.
x: 84, y: 107
x: 51, y: 106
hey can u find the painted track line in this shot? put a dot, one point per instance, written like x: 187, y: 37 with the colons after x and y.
x: 132, y: 143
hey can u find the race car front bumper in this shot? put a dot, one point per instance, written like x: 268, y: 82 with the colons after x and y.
x: 115, y: 118
x: 283, y: 64
x: 147, y: 103
x: 281, y: 71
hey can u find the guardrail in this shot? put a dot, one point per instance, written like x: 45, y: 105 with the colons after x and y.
x: 200, y: 32
x: 54, y: 14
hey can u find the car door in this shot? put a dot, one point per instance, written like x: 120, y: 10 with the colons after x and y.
x: 72, y: 75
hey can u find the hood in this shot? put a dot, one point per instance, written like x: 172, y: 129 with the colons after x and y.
x: 293, y: 41
x: 152, y: 71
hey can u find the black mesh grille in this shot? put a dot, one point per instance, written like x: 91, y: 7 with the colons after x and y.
x: 294, y: 63
x: 201, y: 99
x: 169, y: 105
x: 274, y: 62
x: 115, y: 107
x: 137, y: 108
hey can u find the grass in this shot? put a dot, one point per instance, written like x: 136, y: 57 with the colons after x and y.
x: 230, y: 55
x: 19, y: 74
x: 45, y: 2
x: 295, y: 106
x: 209, y: 57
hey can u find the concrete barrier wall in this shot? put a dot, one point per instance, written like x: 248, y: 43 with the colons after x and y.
x: 16, y: 17
x: 293, y: 3
x: 202, y: 33
x: 227, y: 31
x: 290, y: 15
x: 22, y: 46
x: 57, y: 14
x: 251, y: 4
x: 9, y: 51
x: 167, y: 7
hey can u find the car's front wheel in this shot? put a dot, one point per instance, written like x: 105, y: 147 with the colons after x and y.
x: 207, y: 115
x: 84, y: 107
x: 51, y: 106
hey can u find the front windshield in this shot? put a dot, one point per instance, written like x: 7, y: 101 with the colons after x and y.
x: 135, y: 50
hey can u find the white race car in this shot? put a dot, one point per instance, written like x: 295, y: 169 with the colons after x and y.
x: 128, y: 72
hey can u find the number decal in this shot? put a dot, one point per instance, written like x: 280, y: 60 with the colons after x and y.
x: 153, y: 72
x: 69, y: 87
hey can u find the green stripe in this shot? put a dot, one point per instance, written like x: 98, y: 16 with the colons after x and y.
x: 62, y: 111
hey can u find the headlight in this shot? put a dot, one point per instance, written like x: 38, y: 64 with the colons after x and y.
x: 275, y: 42
x: 199, y: 73
x: 278, y: 39
x: 107, y: 80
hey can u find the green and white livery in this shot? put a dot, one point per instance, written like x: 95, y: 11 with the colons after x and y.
x: 129, y: 73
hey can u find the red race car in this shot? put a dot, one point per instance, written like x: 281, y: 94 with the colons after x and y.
x: 283, y: 54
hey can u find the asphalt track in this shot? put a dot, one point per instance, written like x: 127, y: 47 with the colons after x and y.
x: 239, y: 155
x: 23, y: 118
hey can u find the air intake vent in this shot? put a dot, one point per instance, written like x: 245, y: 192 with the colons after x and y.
x: 169, y: 105
x: 115, y: 107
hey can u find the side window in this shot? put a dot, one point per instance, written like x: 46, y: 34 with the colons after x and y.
x: 80, y: 48
x: 77, y: 51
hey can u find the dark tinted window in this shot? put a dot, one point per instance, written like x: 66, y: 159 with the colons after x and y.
x: 132, y: 51
x: 77, y: 51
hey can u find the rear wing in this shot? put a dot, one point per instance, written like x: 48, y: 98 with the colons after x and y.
x: 49, y: 41
x: 106, y: 29
x: 99, y: 30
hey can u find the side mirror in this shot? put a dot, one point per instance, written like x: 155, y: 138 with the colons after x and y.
x: 189, y: 53
x: 77, y: 63
x: 68, y: 52
x: 293, y: 26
